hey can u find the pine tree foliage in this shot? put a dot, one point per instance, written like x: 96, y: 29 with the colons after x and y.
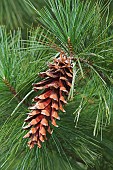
x: 84, y: 137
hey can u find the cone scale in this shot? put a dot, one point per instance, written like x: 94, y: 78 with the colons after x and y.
x: 56, y: 86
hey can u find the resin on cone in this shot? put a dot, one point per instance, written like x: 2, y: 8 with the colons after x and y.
x: 56, y: 86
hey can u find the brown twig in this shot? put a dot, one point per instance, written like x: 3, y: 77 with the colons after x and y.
x: 91, y: 65
x: 82, y: 60
x: 13, y: 91
x: 70, y: 47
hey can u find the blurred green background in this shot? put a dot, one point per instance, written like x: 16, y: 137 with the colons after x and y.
x: 18, y: 13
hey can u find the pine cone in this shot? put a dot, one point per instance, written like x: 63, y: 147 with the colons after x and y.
x: 56, y: 85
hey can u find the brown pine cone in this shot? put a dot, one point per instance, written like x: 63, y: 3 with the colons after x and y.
x: 56, y: 84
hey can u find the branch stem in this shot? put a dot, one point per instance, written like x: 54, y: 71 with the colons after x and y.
x: 13, y: 91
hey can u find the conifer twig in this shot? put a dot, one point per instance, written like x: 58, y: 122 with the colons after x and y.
x: 13, y: 91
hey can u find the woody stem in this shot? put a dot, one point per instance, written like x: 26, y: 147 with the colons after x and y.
x: 13, y: 91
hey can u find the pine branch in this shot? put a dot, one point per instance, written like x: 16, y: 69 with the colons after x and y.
x: 90, y: 111
x: 13, y: 91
